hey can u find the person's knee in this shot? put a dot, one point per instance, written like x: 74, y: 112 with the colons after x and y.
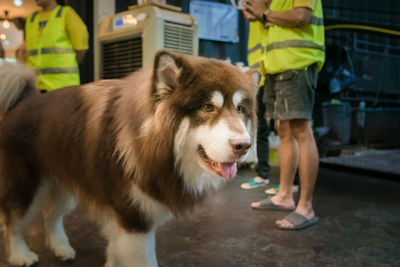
x: 301, y: 129
x: 284, y: 130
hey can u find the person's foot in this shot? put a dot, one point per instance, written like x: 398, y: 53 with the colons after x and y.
x: 307, y: 213
x: 275, y: 189
x: 277, y: 200
x: 255, y: 182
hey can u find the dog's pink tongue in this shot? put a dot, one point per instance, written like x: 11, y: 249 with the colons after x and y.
x: 228, y: 169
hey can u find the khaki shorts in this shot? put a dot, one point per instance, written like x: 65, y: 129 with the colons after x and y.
x: 290, y: 95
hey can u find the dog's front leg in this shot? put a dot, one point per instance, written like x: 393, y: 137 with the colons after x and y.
x: 127, y: 249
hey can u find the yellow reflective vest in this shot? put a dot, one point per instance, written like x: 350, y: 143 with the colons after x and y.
x: 288, y: 48
x: 255, y: 48
x: 50, y: 51
x: 277, y: 49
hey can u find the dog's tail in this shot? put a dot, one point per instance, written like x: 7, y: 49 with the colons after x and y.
x: 17, y: 82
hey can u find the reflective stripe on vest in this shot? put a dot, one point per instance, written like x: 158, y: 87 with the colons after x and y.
x: 50, y: 51
x: 58, y: 70
x: 255, y: 48
x: 294, y: 43
x: 294, y: 48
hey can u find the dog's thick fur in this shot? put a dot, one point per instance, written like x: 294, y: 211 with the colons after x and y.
x: 132, y: 151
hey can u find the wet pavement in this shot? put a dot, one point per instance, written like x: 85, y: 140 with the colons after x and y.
x: 359, y: 226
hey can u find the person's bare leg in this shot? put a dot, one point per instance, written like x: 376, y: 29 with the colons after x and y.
x: 288, y: 156
x: 308, y: 169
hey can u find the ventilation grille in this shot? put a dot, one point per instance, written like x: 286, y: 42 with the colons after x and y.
x: 178, y: 38
x: 120, y: 58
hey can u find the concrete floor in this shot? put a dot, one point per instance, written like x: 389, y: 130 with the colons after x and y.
x: 369, y: 160
x: 359, y: 226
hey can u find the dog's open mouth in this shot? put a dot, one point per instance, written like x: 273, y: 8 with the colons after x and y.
x: 225, y: 169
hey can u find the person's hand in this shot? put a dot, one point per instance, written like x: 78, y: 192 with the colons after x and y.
x: 248, y: 16
x: 254, y: 9
x: 21, y: 54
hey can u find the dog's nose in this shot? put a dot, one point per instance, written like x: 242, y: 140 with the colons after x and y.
x: 240, y: 146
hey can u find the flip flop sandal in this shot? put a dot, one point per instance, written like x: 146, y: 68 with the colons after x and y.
x: 267, y: 204
x: 275, y: 189
x: 253, y: 183
x: 299, y: 221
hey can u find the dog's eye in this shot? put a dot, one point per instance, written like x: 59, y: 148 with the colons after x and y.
x: 240, y: 109
x: 208, y: 108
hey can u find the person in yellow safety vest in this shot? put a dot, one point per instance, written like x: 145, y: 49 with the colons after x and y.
x: 293, y: 51
x: 56, y: 41
x: 254, y: 54
x: 2, y: 53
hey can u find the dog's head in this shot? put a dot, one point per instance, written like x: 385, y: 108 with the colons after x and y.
x: 215, y: 103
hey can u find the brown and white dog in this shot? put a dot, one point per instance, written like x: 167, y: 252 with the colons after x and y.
x: 133, y: 151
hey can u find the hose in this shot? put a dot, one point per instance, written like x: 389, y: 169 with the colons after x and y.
x: 362, y: 27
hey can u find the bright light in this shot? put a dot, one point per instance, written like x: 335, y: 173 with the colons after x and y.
x: 6, y: 24
x: 129, y: 19
x: 18, y: 3
x: 3, y: 36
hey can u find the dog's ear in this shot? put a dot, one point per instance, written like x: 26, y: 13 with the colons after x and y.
x: 256, y: 77
x: 167, y: 70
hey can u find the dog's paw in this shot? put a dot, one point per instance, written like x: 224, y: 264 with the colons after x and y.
x: 65, y: 252
x: 25, y: 258
x: 60, y: 246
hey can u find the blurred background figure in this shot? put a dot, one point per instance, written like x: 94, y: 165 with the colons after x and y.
x: 56, y: 41
x: 20, y: 52
x: 2, y: 54
x: 254, y: 56
x: 294, y: 54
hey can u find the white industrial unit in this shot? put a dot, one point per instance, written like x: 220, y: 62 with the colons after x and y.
x: 129, y: 40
